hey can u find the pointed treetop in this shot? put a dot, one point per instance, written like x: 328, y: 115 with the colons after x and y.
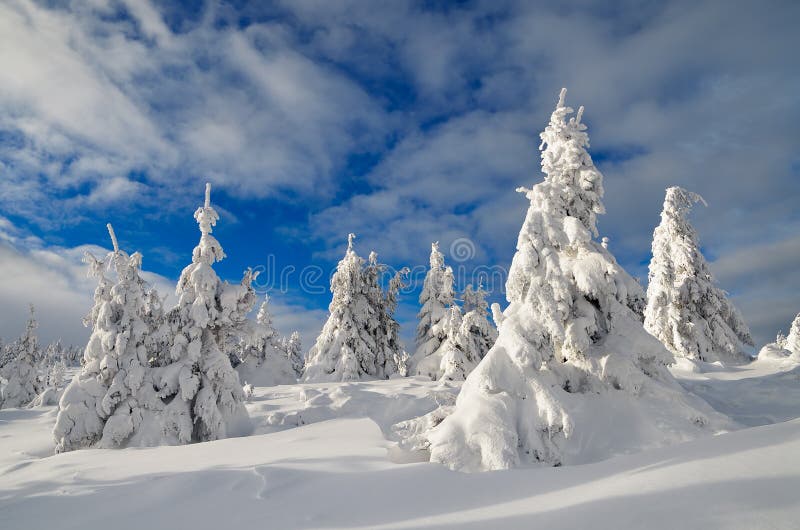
x: 437, y: 258
x: 113, y: 237
x: 350, y: 238
x: 579, y: 116
x: 682, y: 200
x: 206, y: 215
x: 561, y: 97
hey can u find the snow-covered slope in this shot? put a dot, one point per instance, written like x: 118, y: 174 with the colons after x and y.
x: 762, y: 392
x: 320, y: 458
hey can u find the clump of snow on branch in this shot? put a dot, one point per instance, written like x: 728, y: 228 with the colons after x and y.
x: 685, y: 309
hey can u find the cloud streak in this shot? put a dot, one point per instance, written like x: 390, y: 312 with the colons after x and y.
x: 406, y: 124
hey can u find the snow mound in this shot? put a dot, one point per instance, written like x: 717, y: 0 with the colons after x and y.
x: 335, y: 474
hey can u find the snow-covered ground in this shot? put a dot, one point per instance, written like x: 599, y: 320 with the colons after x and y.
x: 322, y: 456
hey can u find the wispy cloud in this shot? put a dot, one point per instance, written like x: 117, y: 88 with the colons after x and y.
x: 101, y: 102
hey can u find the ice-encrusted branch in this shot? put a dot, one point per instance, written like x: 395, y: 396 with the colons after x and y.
x: 113, y: 237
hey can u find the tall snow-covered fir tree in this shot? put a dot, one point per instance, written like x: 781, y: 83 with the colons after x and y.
x: 23, y: 383
x: 390, y: 358
x: 685, y: 309
x: 112, y: 399
x: 203, y: 392
x: 359, y: 339
x: 344, y: 339
x: 436, y: 298
x: 571, y: 345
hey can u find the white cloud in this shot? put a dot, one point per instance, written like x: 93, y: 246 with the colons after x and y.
x: 89, y: 97
x: 54, y: 279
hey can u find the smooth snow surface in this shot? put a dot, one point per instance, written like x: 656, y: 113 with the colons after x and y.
x: 322, y: 457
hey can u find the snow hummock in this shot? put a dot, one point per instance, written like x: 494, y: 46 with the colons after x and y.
x: 320, y: 458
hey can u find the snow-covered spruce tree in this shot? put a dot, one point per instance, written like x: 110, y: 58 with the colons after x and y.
x: 202, y: 390
x: 396, y: 355
x: 390, y: 358
x: 436, y: 298
x: 112, y: 401
x: 358, y: 340
x: 344, y: 338
x: 294, y: 352
x: 264, y: 360
x: 793, y: 339
x: 457, y: 361
x: 22, y: 377
x: 685, y: 310
x: 480, y: 333
x: 571, y: 347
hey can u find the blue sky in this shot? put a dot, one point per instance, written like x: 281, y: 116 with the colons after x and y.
x: 405, y: 122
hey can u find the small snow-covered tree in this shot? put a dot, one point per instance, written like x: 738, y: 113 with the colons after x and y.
x: 396, y: 356
x: 455, y: 362
x: 793, y: 339
x: 56, y: 374
x: 112, y: 399
x: 479, y: 332
x: 294, y: 352
x: 685, y: 309
x: 264, y: 359
x: 359, y: 339
x: 344, y: 350
x: 203, y: 392
x: 571, y: 341
x: 436, y: 298
x: 22, y: 377
x: 381, y: 324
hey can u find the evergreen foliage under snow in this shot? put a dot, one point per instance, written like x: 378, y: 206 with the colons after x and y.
x: 112, y: 399
x: 360, y: 338
x: 202, y: 390
x: 685, y: 309
x: 265, y: 361
x: 436, y: 298
x: 571, y: 346
x: 23, y: 382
